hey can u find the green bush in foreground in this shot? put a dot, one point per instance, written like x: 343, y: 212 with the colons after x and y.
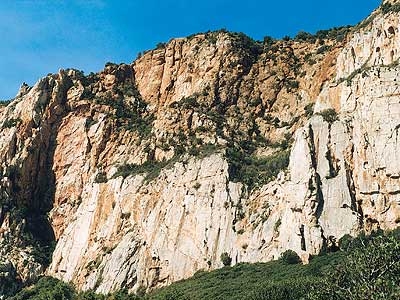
x: 372, y: 271
x: 369, y: 269
x: 290, y: 257
x: 285, y: 290
x: 45, y: 289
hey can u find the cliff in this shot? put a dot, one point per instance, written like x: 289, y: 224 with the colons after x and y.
x: 143, y: 174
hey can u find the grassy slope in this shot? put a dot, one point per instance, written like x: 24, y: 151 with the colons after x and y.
x: 243, y: 281
x: 367, y: 267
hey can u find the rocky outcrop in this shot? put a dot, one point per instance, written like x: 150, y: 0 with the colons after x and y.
x: 143, y: 174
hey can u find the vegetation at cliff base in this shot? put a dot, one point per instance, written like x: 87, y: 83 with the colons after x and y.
x: 366, y: 267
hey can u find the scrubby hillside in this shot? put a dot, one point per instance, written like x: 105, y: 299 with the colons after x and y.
x: 363, y: 268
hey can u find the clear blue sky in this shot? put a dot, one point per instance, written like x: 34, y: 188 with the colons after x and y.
x: 40, y: 36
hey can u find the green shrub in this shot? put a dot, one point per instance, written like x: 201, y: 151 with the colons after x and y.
x: 277, y: 225
x: 212, y: 39
x: 323, y: 49
x: 226, y: 259
x: 129, y: 115
x: 292, y: 85
x: 101, y: 177
x: 389, y: 7
x: 254, y: 171
x: 89, y: 122
x: 160, y: 45
x: 186, y: 103
x: 110, y: 64
x: 345, y: 242
x: 4, y: 103
x: 309, y: 110
x: 305, y: 37
x: 151, y: 168
x: 362, y: 70
x: 370, y: 271
x: 9, y: 123
x: 335, y: 33
x: 90, y: 295
x: 290, y: 257
x: 329, y: 115
x: 268, y: 41
x: 294, y: 289
x: 47, y: 288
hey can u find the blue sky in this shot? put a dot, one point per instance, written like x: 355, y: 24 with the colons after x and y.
x: 41, y: 36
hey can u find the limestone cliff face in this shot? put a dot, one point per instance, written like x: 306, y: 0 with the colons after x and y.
x: 143, y: 174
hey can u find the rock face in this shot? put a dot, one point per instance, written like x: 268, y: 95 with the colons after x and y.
x: 143, y: 174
